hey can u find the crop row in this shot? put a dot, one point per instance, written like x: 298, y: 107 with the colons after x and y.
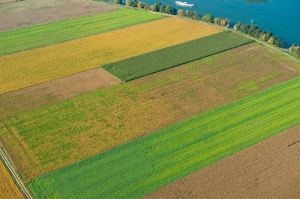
x: 136, y: 168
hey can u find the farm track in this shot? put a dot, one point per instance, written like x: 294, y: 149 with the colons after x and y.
x: 268, y: 170
x: 112, y: 116
x: 171, y: 153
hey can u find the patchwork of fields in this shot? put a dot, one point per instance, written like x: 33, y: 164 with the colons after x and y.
x: 174, y: 152
x: 57, y: 32
x: 31, y: 12
x: 100, y: 120
x: 270, y: 169
x: 175, y: 96
x: 8, y: 189
x: 166, y: 58
x: 31, y: 67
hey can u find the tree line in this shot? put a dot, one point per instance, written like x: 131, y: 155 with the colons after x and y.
x: 252, y: 30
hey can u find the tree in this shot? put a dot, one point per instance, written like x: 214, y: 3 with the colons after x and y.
x: 168, y: 9
x: 271, y: 41
x: 295, y: 50
x: 237, y: 26
x: 263, y: 37
x: 196, y: 15
x: 208, y: 18
x: 181, y: 13
x: 154, y: 7
x: 217, y: 20
x: 225, y: 22
x: 188, y: 13
x: 118, y: 1
x: 162, y: 8
x: 132, y: 3
x: 140, y: 5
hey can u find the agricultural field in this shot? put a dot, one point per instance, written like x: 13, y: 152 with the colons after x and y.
x: 52, y: 91
x: 31, y: 67
x: 57, y: 32
x: 8, y: 189
x: 56, y: 135
x: 16, y: 14
x: 166, y: 58
x: 178, y: 150
x: 270, y: 169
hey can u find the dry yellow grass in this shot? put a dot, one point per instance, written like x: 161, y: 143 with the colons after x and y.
x: 38, y: 65
x: 8, y: 188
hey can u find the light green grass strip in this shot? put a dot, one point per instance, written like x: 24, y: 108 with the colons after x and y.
x: 145, y: 164
x: 163, y: 59
x: 56, y: 32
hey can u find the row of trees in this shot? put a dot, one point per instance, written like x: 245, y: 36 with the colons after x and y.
x: 295, y: 50
x: 252, y: 30
x: 257, y: 32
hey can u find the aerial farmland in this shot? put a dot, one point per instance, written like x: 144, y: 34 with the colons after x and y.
x: 115, y: 99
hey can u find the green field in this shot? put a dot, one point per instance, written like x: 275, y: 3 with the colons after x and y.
x: 162, y: 59
x: 56, y: 32
x: 145, y: 164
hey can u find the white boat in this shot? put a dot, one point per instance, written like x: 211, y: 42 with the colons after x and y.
x: 184, y: 4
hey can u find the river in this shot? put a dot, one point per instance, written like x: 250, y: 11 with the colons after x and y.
x: 282, y: 17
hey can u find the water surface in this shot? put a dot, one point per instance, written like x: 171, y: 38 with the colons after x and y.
x: 282, y: 17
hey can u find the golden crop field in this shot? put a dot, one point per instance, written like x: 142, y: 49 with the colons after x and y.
x: 42, y: 64
x: 8, y: 188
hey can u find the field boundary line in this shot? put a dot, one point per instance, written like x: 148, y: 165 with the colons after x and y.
x: 14, y: 174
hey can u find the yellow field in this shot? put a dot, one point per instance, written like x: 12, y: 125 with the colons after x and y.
x: 38, y: 65
x: 8, y: 189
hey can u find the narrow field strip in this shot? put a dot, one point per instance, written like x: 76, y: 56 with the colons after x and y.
x: 35, y: 66
x: 178, y: 150
x: 57, y: 32
x: 8, y: 188
x: 43, y: 133
x: 162, y: 59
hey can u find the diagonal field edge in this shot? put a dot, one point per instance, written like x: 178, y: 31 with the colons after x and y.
x: 166, y: 58
x: 151, y: 163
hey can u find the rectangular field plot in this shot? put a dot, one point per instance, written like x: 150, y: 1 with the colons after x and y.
x: 57, y: 32
x: 52, y: 136
x: 8, y: 189
x: 30, y: 67
x: 145, y: 164
x: 162, y: 59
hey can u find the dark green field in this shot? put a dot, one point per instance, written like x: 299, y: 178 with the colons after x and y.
x: 162, y: 59
x: 145, y: 164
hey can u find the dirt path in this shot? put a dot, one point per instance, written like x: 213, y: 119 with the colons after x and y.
x: 31, y: 12
x: 269, y: 170
x: 54, y: 90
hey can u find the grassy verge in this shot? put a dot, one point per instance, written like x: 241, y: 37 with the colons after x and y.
x: 162, y: 59
x: 143, y: 165
x: 56, y: 32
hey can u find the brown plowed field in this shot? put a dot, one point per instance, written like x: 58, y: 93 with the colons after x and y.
x: 8, y: 189
x: 31, y: 12
x: 268, y: 170
x: 54, y: 90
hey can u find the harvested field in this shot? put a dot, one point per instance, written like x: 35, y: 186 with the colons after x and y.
x: 268, y: 170
x: 57, y: 32
x: 31, y: 12
x: 55, y: 90
x: 8, y: 189
x: 53, y: 136
x: 39, y: 65
x: 171, y: 153
x: 166, y: 58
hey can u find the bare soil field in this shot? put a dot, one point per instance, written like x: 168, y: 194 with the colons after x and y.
x: 7, y: 1
x: 31, y: 12
x: 56, y: 135
x: 8, y: 189
x: 268, y: 170
x: 54, y: 90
